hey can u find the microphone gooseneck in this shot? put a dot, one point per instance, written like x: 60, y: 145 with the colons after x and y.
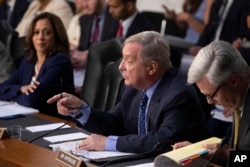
x: 78, y: 115
x: 222, y: 143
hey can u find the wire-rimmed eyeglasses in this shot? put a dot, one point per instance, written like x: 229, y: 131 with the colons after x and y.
x: 210, y: 98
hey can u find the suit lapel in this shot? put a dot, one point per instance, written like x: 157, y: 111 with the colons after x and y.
x: 159, y: 92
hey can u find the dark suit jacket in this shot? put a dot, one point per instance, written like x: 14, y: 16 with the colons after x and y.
x: 174, y: 115
x: 108, y: 32
x: 234, y: 25
x: 244, y: 128
x: 138, y: 25
x: 19, y: 9
x: 53, y: 70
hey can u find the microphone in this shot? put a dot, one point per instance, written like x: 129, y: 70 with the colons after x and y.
x: 222, y: 143
x: 134, y: 157
x: 78, y: 115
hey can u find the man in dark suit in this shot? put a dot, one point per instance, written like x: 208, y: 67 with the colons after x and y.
x: 223, y: 76
x: 132, y: 22
x: 170, y: 111
x: 13, y: 13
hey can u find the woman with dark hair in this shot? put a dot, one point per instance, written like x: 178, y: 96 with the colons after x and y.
x: 46, y: 70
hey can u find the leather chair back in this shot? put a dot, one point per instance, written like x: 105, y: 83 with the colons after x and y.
x: 111, y: 87
x: 99, y: 56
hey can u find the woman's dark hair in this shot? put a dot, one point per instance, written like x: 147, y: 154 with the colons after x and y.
x: 61, y: 39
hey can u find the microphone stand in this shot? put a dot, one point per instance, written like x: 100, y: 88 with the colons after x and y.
x: 72, y: 119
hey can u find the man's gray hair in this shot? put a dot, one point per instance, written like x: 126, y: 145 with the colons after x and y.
x: 217, y: 61
x: 154, y: 47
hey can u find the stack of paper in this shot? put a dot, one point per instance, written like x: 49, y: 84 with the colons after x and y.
x: 10, y: 108
x: 40, y: 128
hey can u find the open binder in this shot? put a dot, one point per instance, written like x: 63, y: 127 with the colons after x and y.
x: 186, y: 156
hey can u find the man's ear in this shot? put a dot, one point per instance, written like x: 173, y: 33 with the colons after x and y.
x: 234, y: 80
x: 153, y: 67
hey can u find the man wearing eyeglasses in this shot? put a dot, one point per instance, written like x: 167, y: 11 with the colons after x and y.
x: 223, y: 76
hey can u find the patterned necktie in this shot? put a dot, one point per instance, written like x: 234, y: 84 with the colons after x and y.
x: 142, y: 114
x: 236, y: 128
x: 96, y: 30
x: 119, y: 32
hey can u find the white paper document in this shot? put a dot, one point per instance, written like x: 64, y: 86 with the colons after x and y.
x: 10, y: 108
x: 66, y: 137
x: 40, y: 128
x: 151, y: 164
x: 94, y: 155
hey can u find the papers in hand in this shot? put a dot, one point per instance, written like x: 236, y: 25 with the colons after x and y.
x: 40, y: 128
x: 184, y: 154
x: 10, y: 109
x: 66, y: 137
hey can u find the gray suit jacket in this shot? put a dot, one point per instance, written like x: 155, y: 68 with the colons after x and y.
x: 244, y: 128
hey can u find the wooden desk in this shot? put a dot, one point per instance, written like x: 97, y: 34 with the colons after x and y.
x: 15, y: 153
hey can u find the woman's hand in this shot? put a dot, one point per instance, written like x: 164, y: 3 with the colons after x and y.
x: 27, y: 89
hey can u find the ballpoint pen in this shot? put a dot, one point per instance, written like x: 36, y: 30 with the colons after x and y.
x: 61, y: 88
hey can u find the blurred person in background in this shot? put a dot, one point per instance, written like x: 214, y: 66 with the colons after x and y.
x: 61, y: 8
x: 95, y: 26
x: 74, y: 33
x: 131, y: 20
x: 193, y: 19
x: 12, y: 11
x: 45, y: 70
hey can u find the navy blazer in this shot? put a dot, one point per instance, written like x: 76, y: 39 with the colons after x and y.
x: 108, y: 32
x: 234, y: 25
x: 138, y: 25
x: 54, y: 70
x: 174, y: 114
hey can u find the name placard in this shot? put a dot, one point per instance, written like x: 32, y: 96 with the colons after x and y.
x: 69, y: 159
x: 4, y: 134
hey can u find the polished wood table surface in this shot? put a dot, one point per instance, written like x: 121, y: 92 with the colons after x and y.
x: 17, y: 153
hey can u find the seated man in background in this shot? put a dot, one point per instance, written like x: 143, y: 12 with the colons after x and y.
x: 95, y: 26
x: 223, y: 76
x: 157, y: 105
x: 131, y: 21
x: 46, y: 69
x: 13, y: 10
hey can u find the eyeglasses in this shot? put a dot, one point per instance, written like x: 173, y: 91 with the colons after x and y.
x: 208, y: 97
